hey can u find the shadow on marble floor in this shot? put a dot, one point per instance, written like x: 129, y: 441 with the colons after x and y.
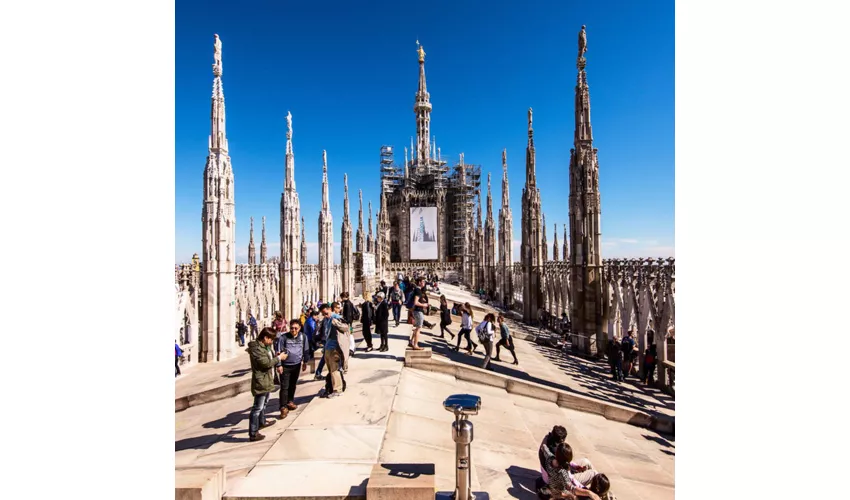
x: 591, y: 380
x: 522, y: 482
x: 237, y: 373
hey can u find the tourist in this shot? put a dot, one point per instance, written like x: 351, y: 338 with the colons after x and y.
x: 445, y: 318
x: 561, y: 481
x: 349, y: 315
x: 628, y: 347
x: 279, y: 324
x: 263, y: 362
x: 466, y: 317
x: 367, y: 317
x: 384, y: 288
x: 420, y: 303
x: 650, y: 358
x: 382, y: 317
x: 556, y: 436
x: 296, y: 346
x: 323, y: 327
x: 253, y: 324
x: 344, y: 340
x: 310, y: 326
x: 396, y: 297
x: 241, y: 330
x: 615, y: 360
x: 178, y: 353
x: 506, y: 341
x: 335, y: 350
x: 486, y: 337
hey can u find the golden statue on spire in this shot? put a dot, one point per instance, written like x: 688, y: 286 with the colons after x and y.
x: 421, y: 52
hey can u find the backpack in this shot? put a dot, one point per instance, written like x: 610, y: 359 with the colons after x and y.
x: 650, y: 358
x: 481, y: 330
x: 409, y: 303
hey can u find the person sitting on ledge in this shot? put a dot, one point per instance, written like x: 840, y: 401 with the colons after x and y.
x: 562, y: 483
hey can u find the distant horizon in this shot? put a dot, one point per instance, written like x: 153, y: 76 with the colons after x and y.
x: 351, y: 90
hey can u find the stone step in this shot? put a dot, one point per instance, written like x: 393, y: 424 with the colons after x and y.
x: 401, y: 482
x: 199, y: 483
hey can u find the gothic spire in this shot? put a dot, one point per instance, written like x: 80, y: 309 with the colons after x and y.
x: 218, y: 138
x: 505, y: 195
x: 566, y: 245
x: 583, y: 130
x: 360, y: 244
x: 489, y: 200
x: 530, y: 175
x: 263, y: 243
x: 325, y: 197
x: 370, y: 219
x: 555, y: 244
x: 303, y: 243
x: 251, y: 255
x: 422, y: 108
x: 345, y: 208
x: 289, y: 175
x: 545, y: 247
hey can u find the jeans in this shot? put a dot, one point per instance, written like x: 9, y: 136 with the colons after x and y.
x: 488, y: 352
x: 464, y: 332
x: 258, y: 413
x: 177, y: 365
x: 241, y: 339
x: 618, y: 369
x: 288, y: 380
x: 396, y: 312
x: 321, y: 365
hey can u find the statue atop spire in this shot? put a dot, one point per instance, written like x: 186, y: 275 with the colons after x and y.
x: 419, y: 51
x: 325, y: 198
x: 217, y: 56
x: 288, y: 125
x: 263, y: 243
x: 582, y: 44
x: 345, y: 209
x: 530, y: 119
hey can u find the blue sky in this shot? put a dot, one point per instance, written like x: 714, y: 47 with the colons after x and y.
x: 348, y: 72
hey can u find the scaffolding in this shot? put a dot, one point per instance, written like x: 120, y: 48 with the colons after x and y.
x: 461, y: 183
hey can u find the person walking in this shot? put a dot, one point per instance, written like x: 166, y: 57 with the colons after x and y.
x: 252, y: 323
x: 628, y: 348
x: 445, y: 318
x: 506, y: 341
x: 396, y: 297
x: 466, y: 317
x: 382, y: 319
x: 177, y: 354
x: 486, y: 337
x: 263, y: 362
x: 298, y: 352
x: 367, y: 317
x: 650, y: 358
x: 241, y: 329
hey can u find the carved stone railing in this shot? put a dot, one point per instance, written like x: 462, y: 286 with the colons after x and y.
x: 640, y: 295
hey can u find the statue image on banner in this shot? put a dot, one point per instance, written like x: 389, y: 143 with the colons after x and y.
x: 423, y: 234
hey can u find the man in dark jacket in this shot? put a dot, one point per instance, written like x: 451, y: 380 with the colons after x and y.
x: 367, y: 316
x: 382, y: 319
x: 263, y: 362
x: 298, y: 352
